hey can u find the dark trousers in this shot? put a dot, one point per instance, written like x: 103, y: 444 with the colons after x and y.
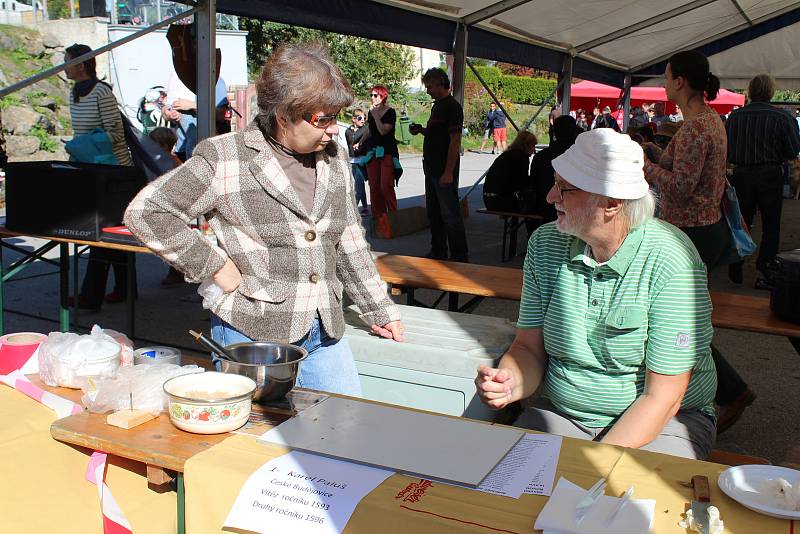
x: 359, y: 178
x: 761, y: 187
x: 711, y: 242
x: 93, y: 288
x: 444, y: 217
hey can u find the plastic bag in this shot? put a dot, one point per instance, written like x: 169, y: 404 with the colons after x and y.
x: 141, y: 386
x: 210, y: 292
x: 67, y: 359
x: 126, y: 356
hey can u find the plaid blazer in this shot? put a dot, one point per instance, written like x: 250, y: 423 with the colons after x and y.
x: 294, y: 264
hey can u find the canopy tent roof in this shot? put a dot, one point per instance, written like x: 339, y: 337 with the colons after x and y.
x: 588, y: 94
x: 608, y: 38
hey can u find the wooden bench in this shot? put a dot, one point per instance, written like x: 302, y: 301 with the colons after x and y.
x: 511, y: 224
x: 737, y: 312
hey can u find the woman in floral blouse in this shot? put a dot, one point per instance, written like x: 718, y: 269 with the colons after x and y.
x: 690, y: 177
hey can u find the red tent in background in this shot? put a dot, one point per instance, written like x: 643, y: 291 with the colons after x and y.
x: 587, y: 95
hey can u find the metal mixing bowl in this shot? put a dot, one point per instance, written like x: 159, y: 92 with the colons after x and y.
x: 273, y: 366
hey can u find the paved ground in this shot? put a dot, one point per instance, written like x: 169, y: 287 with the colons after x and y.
x: 769, y: 363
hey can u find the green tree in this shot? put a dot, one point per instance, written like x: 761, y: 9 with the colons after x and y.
x: 363, y: 61
x: 58, y: 9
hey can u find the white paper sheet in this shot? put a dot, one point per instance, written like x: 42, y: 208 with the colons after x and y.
x: 534, y: 453
x: 548, y: 449
x: 558, y: 515
x: 300, y: 492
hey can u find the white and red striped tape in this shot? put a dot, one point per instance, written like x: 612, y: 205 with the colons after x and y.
x: 114, y: 520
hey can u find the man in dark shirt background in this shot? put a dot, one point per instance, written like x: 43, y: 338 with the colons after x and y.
x: 440, y: 163
x: 760, y: 138
x: 542, y: 174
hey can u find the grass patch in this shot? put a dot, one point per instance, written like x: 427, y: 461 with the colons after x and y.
x: 46, y: 143
x: 472, y: 140
x: 9, y: 100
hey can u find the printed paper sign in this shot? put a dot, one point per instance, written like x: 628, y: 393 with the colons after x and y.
x: 300, y: 492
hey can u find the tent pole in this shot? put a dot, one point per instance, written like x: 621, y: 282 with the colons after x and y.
x: 96, y: 52
x: 459, y: 63
x: 206, y: 68
x: 567, y: 77
x: 626, y: 106
x: 491, y: 94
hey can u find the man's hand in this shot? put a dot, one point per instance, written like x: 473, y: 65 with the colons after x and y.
x: 228, y: 278
x: 182, y: 104
x: 393, y: 330
x: 495, y: 386
x: 415, y: 128
x: 446, y: 179
x: 171, y: 114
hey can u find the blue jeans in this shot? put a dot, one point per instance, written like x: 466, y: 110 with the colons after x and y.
x: 328, y: 367
x: 359, y: 179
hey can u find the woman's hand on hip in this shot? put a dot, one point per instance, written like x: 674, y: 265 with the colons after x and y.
x: 228, y: 278
x: 392, y: 330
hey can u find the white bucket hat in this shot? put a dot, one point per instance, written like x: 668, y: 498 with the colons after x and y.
x: 604, y: 162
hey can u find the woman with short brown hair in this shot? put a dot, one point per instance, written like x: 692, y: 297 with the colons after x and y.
x: 380, y: 147
x: 279, y: 197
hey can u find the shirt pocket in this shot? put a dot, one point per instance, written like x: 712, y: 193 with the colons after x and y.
x: 625, y: 335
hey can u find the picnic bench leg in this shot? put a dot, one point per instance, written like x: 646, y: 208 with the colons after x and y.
x: 181, y: 504
x: 410, y: 296
x: 130, y: 282
x: 452, y: 301
x: 63, y: 274
x: 505, y: 233
x: 76, y: 283
x: 2, y: 283
x: 512, y: 239
x: 795, y: 341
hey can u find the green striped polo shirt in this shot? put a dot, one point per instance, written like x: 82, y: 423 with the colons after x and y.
x: 648, y: 307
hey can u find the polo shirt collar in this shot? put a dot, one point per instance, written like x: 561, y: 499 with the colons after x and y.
x: 620, y: 261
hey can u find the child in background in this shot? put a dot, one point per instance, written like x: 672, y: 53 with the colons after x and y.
x: 166, y: 139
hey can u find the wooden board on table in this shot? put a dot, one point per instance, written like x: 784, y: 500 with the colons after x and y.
x: 411, y: 442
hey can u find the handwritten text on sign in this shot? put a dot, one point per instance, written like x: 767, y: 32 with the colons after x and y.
x: 302, y: 492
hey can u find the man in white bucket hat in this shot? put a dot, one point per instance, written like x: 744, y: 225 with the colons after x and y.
x: 615, y: 319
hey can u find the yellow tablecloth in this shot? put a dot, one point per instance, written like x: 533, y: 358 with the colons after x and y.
x: 43, y: 486
x: 213, y: 479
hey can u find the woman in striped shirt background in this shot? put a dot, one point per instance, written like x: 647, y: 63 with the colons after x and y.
x: 92, y: 106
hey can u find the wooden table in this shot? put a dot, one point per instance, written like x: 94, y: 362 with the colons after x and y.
x: 165, y: 448
x: 63, y: 243
x: 158, y: 444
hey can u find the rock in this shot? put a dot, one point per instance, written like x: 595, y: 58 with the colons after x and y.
x: 50, y: 40
x: 43, y: 155
x: 34, y: 47
x: 19, y: 120
x: 7, y: 43
x: 3, y: 79
x: 21, y: 145
x: 57, y: 58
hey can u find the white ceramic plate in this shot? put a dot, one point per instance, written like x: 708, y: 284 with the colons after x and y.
x: 745, y: 484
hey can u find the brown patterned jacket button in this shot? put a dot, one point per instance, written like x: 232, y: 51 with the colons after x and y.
x: 311, y: 235
x: 314, y: 278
